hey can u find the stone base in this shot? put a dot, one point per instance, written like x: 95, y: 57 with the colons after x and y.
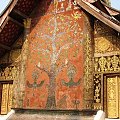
x: 22, y: 114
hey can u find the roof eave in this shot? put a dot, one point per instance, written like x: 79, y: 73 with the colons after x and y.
x: 6, y: 13
x: 99, y: 14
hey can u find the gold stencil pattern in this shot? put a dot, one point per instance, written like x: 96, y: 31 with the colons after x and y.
x: 97, y: 88
x: 88, y: 66
x: 97, y: 92
x: 88, y: 82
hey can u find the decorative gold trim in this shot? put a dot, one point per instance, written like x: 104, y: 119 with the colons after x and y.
x: 88, y: 74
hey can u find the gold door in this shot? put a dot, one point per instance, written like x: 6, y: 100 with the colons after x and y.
x: 6, y: 102
x: 113, y: 97
x: 119, y: 94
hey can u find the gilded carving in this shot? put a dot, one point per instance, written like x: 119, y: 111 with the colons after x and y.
x: 103, y: 44
x: 107, y: 63
x: 115, y: 60
x: 106, y: 39
x: 9, y: 73
x: 102, y: 62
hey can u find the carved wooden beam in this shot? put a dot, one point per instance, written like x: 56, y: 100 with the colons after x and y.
x: 15, y: 21
x: 19, y: 13
x: 5, y: 47
x: 3, y: 17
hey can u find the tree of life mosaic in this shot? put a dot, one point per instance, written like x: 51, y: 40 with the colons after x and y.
x: 55, y: 64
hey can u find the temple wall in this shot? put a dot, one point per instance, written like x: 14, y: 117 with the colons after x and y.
x: 55, y: 64
x: 53, y: 69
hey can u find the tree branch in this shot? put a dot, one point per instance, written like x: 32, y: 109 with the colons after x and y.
x: 46, y: 36
x: 42, y: 50
x: 66, y: 46
x: 43, y: 69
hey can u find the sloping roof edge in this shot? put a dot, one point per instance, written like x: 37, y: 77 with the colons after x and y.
x: 9, y: 9
x: 111, y: 10
x: 108, y: 20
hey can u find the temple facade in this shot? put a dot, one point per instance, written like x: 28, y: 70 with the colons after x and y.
x: 60, y: 55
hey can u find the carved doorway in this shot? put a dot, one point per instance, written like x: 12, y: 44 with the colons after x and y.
x: 112, y: 95
x: 6, y: 96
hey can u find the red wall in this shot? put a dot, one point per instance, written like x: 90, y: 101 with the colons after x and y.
x: 55, y: 63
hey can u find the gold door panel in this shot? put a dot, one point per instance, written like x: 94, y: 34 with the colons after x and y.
x: 113, y: 97
x: 4, y: 98
x: 119, y: 94
x: 6, y: 103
